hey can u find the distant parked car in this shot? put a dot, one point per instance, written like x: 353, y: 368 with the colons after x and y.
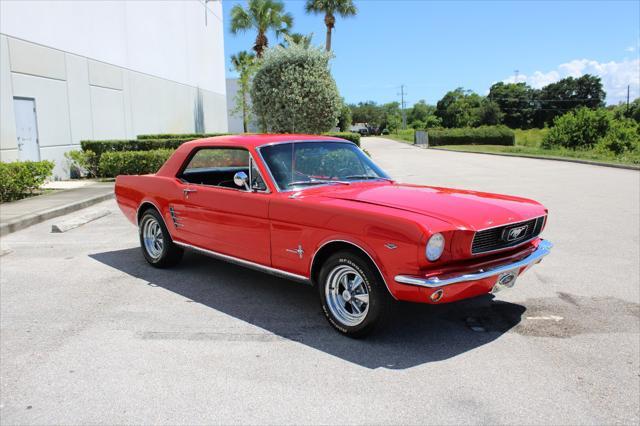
x: 363, y: 132
x: 317, y: 209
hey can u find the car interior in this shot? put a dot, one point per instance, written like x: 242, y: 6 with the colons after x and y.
x: 218, y: 166
x: 213, y: 176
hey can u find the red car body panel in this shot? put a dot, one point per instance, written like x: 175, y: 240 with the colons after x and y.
x: 266, y: 228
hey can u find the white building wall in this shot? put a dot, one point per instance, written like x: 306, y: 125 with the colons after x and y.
x: 110, y: 70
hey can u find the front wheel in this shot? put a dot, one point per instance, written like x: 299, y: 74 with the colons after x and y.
x: 353, y: 297
x: 157, y: 246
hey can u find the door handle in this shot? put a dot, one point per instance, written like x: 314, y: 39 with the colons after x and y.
x: 187, y: 191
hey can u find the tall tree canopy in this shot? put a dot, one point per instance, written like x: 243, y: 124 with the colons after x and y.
x: 517, y: 103
x: 262, y: 16
x: 331, y: 8
x: 568, y: 94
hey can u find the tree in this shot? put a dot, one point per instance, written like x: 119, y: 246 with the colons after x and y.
x: 422, y: 116
x: 568, y: 94
x: 367, y: 112
x: 244, y: 64
x: 331, y: 8
x: 516, y: 101
x: 297, y: 38
x: 262, y: 16
x: 345, y: 118
x: 460, y: 108
x: 293, y: 91
x: 489, y: 113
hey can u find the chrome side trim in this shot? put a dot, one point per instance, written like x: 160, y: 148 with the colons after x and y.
x: 246, y: 263
x: 175, y: 218
x: 313, y: 259
x: 544, y: 248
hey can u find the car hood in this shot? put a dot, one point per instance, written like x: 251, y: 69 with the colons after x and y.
x: 462, y: 209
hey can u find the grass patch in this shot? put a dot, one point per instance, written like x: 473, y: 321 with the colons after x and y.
x: 633, y: 159
x: 528, y: 143
x: 530, y: 137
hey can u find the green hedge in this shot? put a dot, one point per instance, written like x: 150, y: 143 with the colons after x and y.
x: 191, y: 136
x: 100, y: 147
x: 113, y: 164
x: 484, y: 135
x: 20, y: 178
x: 353, y: 137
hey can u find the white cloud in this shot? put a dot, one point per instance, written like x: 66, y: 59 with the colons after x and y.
x: 615, y: 76
x: 630, y: 49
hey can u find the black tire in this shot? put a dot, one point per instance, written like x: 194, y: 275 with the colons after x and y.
x: 169, y: 254
x: 379, y: 300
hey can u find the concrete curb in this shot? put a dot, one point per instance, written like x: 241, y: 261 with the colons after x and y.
x: 535, y: 157
x: 26, y: 221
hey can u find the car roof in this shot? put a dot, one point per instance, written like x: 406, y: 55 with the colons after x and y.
x: 256, y: 140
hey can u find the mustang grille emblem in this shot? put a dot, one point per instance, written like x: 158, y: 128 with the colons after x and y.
x: 515, y: 233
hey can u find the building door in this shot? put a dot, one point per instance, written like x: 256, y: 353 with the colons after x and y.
x: 26, y: 129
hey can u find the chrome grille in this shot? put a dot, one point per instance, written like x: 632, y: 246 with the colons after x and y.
x: 498, y: 238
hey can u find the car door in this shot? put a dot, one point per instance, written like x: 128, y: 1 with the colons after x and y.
x: 222, y: 216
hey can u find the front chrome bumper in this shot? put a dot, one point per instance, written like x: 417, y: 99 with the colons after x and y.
x: 543, y: 249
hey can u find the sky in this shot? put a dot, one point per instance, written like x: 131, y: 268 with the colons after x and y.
x: 432, y: 47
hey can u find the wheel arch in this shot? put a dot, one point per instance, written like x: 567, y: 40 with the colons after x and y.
x: 329, y: 247
x: 146, y: 205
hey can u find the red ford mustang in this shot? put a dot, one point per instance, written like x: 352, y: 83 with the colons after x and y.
x: 318, y: 210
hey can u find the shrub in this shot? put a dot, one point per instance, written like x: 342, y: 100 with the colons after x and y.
x: 20, y: 178
x: 190, y: 136
x: 85, y: 161
x: 293, y: 91
x: 623, y: 137
x: 350, y: 136
x: 483, y: 135
x: 132, y: 162
x: 97, y: 148
x: 100, y: 147
x: 582, y: 128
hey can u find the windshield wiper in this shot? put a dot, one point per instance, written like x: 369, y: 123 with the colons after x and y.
x: 317, y: 182
x: 367, y: 177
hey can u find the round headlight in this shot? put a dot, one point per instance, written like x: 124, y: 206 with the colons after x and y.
x: 435, y: 247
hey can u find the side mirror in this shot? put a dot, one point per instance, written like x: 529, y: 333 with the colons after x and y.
x: 241, y: 179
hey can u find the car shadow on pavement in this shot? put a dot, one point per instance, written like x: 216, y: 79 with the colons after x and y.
x: 413, y: 335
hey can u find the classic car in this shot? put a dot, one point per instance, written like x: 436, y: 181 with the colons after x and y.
x: 318, y: 210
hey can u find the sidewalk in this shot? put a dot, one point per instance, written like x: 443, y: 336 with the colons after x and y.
x: 20, y: 214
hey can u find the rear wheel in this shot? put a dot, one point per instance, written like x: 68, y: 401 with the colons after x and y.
x: 157, y: 246
x: 353, y: 297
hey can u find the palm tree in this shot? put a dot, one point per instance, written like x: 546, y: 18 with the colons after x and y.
x: 244, y: 64
x: 297, y: 38
x: 261, y: 15
x: 330, y: 8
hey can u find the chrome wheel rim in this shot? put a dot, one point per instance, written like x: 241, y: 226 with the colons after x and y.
x: 153, y: 238
x: 346, y: 295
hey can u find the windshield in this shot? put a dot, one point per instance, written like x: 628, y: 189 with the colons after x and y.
x: 300, y: 164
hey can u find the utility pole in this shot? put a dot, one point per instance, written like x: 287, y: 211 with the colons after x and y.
x: 628, y: 97
x: 517, y: 74
x: 402, y: 106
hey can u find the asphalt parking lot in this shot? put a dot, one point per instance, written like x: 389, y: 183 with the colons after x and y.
x: 91, y: 334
